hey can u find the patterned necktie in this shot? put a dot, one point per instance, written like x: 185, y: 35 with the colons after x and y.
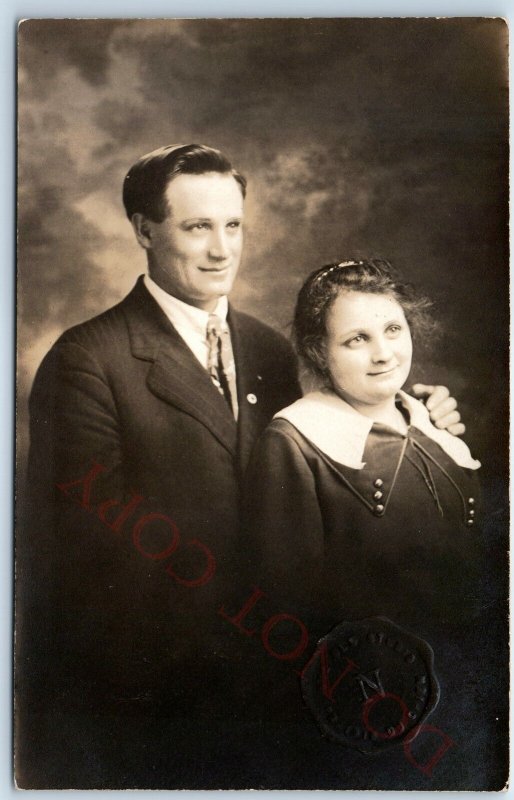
x: 221, y: 365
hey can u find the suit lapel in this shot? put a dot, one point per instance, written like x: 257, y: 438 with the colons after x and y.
x: 175, y: 375
x: 248, y: 385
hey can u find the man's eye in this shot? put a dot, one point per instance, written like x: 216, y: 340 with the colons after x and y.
x: 198, y: 226
x: 234, y: 224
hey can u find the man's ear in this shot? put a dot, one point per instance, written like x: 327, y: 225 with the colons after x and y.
x: 143, y: 230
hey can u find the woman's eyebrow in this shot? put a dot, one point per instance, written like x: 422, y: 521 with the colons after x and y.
x: 351, y: 332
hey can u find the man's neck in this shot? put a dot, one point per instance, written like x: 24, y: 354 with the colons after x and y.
x: 170, y: 291
x: 161, y: 280
x: 184, y: 315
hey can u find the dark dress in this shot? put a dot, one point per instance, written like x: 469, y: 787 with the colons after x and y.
x: 395, y: 536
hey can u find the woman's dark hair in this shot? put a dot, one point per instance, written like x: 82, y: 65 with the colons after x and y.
x: 146, y: 182
x: 322, y: 287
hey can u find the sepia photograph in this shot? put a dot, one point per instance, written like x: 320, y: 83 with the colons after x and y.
x: 262, y: 448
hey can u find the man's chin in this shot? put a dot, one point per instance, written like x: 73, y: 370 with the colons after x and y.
x: 218, y: 287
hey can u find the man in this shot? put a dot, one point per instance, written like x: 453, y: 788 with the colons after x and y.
x: 142, y: 421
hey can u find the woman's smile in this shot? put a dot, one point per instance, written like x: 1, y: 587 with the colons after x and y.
x: 368, y: 349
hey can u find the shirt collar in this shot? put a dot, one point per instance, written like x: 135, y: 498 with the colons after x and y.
x: 182, y: 315
x: 340, y: 431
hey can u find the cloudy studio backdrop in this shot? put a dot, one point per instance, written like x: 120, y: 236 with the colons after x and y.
x: 360, y: 138
x: 383, y: 138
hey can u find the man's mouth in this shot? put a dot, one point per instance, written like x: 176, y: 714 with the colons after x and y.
x: 214, y: 270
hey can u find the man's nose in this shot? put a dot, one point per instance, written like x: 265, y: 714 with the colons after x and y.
x: 219, y: 248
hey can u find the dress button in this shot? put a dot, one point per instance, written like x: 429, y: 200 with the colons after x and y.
x: 378, y: 496
x: 470, y: 522
x: 471, y: 501
x: 471, y: 512
x: 251, y: 398
x: 379, y: 510
x: 378, y: 483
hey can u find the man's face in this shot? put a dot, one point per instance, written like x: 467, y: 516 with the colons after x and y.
x: 194, y: 254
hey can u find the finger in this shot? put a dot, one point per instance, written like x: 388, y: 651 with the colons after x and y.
x: 449, y: 419
x: 422, y: 390
x: 437, y: 397
x: 443, y: 409
x: 458, y: 429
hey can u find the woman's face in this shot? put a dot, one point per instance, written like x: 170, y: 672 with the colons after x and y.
x: 368, y: 347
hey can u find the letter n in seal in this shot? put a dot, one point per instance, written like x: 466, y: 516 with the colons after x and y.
x: 375, y: 684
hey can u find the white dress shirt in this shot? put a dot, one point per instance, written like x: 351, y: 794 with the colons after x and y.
x: 190, y: 322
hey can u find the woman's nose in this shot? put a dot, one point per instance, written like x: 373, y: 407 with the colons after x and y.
x: 382, y: 350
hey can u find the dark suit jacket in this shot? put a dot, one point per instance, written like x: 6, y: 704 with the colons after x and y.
x: 105, y: 628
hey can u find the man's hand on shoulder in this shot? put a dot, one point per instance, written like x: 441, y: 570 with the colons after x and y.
x: 442, y: 408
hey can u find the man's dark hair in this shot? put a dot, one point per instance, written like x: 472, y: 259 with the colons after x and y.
x: 146, y: 182
x: 322, y: 287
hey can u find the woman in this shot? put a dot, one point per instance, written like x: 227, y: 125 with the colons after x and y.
x: 356, y: 505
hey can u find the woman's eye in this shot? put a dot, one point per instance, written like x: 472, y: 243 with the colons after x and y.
x: 394, y: 329
x: 235, y: 224
x: 355, y: 340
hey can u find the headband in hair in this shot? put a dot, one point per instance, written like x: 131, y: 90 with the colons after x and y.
x: 341, y: 265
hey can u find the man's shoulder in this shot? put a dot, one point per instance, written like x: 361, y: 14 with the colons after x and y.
x: 104, y: 328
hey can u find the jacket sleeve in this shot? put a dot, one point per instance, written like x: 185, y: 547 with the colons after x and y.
x: 69, y: 566
x: 74, y: 420
x: 282, y: 522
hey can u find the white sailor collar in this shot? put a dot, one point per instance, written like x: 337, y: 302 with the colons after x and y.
x: 339, y: 431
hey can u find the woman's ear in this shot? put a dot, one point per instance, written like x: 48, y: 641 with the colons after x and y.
x: 315, y: 352
x: 143, y: 230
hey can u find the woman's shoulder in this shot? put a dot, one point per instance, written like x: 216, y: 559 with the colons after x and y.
x: 331, y: 425
x: 280, y: 426
x: 280, y: 429
x: 453, y: 446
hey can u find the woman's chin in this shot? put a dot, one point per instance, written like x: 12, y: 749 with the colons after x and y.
x: 385, y: 388
x: 384, y: 396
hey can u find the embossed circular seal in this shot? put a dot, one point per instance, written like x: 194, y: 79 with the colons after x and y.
x: 370, y: 684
